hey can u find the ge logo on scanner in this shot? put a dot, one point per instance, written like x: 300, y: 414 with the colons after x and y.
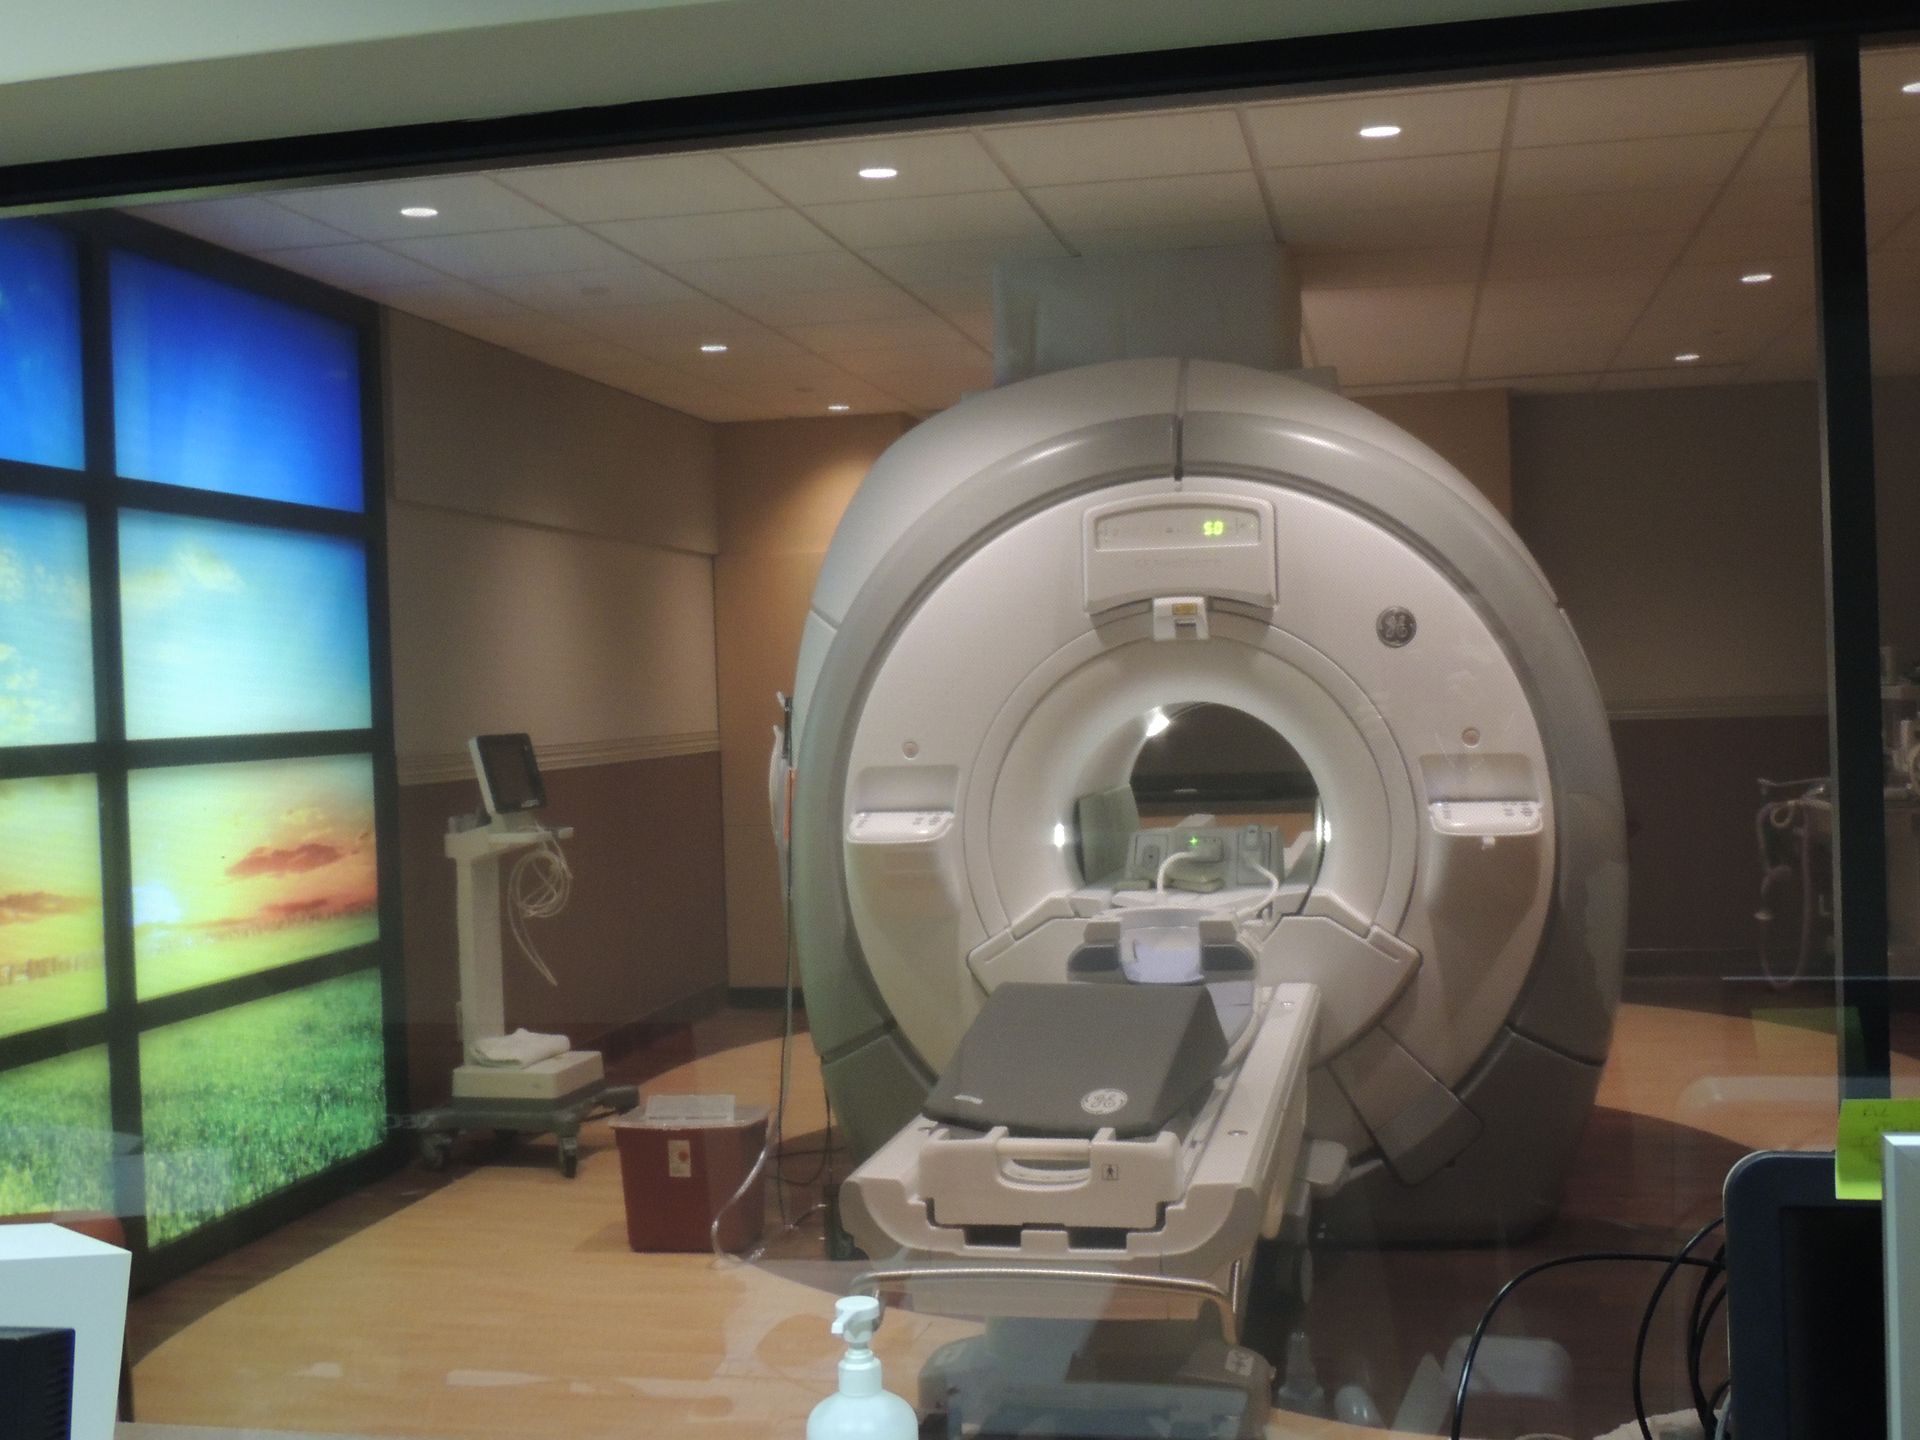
x: 1103, y: 1102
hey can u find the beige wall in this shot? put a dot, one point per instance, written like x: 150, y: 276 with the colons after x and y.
x: 782, y: 486
x: 1681, y: 528
x: 550, y: 545
x: 550, y: 570
x: 1471, y: 430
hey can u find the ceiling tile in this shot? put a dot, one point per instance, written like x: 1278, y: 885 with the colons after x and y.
x: 248, y: 223
x: 1170, y: 200
x: 639, y: 189
x: 1122, y: 147
x: 513, y: 252
x: 522, y: 331
x: 930, y: 219
x: 1892, y: 144
x: 1618, y: 212
x: 1437, y: 225
x: 1247, y: 230
x: 977, y: 325
x: 1649, y: 251
x: 1667, y: 162
x: 751, y: 275
x: 1386, y: 184
x: 1751, y: 246
x: 1630, y: 290
x: 467, y: 204
x: 878, y: 301
x: 823, y: 172
x: 1516, y: 335
x: 447, y: 301
x: 1765, y: 205
x: 956, y: 262
x: 353, y: 266
x: 687, y: 320
x: 1573, y: 383
x: 1883, y: 70
x: 1779, y: 155
x: 1707, y: 311
x: 736, y: 234
x: 852, y: 336
x: 1788, y: 356
x: 629, y: 284
x: 1391, y: 336
x: 1630, y: 105
x: 1437, y: 121
x: 967, y: 365
x: 1373, y: 269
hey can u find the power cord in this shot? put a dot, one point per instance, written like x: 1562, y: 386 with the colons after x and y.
x: 538, y: 888
x: 1653, y: 1307
x: 1500, y: 1296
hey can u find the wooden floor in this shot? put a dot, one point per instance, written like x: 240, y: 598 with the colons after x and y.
x: 501, y: 1300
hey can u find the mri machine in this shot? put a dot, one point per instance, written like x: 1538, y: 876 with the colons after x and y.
x: 1410, y: 999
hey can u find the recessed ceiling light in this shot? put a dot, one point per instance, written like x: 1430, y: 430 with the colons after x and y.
x: 1756, y: 277
x: 1912, y: 87
x: 713, y: 347
x: 1687, y: 357
x: 418, y: 212
x: 878, y: 172
x: 1378, y: 132
x: 837, y: 409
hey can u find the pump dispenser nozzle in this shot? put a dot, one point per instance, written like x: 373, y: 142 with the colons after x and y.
x: 863, y: 1410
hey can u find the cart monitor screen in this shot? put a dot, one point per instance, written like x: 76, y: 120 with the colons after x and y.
x: 509, y: 775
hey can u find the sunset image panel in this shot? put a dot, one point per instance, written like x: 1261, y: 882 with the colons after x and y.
x: 243, y: 867
x: 46, y: 636
x: 236, y: 629
x: 52, y: 950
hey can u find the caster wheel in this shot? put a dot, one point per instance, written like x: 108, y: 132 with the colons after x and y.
x: 434, y: 1150
x: 569, y: 1156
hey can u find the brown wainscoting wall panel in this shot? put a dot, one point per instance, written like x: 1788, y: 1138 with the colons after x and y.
x: 1691, y: 785
x: 642, y: 941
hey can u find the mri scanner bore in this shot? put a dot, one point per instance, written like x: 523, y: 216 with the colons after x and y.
x: 1358, y: 990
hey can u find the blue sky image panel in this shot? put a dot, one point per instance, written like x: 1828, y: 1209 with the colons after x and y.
x: 40, y: 417
x: 46, y: 635
x: 221, y: 389
x: 232, y: 629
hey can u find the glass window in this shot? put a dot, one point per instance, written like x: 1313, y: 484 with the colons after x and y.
x: 236, y: 629
x: 244, y: 867
x: 39, y: 347
x: 247, y: 1101
x: 217, y: 388
x: 46, y: 640
x: 52, y: 948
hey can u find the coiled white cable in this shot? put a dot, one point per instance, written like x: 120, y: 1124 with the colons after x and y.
x: 538, y: 889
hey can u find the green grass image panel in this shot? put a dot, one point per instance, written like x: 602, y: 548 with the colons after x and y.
x: 248, y: 1101
x: 56, y: 1135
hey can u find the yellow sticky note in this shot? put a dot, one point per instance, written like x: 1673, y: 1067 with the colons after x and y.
x: 1856, y: 1155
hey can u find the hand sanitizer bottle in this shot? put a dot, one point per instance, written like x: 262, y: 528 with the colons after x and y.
x: 862, y: 1410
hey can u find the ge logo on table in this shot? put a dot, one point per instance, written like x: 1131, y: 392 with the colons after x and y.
x: 1103, y: 1102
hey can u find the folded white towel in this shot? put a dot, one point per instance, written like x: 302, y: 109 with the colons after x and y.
x: 521, y: 1048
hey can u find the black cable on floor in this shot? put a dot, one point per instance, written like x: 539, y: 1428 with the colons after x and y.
x: 1696, y: 1340
x: 1493, y: 1306
x: 1646, y: 1320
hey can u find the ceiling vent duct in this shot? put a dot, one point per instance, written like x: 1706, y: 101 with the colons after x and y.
x: 1239, y: 303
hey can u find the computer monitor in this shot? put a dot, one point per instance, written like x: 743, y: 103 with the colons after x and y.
x: 1806, y: 1329
x: 509, y: 775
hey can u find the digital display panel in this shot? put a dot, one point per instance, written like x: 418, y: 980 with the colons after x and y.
x: 40, y: 407
x: 221, y: 389
x: 239, y: 868
x: 1161, y: 526
x: 244, y: 1102
x: 238, y: 629
x: 56, y: 1135
x: 46, y: 636
x: 52, y: 937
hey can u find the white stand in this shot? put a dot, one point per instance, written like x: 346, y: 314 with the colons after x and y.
x: 54, y: 1278
x: 551, y: 1096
